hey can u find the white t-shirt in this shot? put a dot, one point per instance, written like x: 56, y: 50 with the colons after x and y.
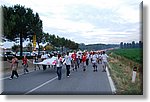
x: 99, y: 56
x: 94, y: 58
x: 87, y: 56
x: 58, y: 62
x: 68, y: 60
x: 47, y: 56
x: 104, y: 57
x: 43, y: 57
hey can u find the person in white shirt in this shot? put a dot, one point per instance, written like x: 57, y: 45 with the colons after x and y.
x: 59, y: 66
x: 99, y: 58
x: 104, y: 61
x: 94, y: 61
x: 43, y: 57
x: 68, y: 63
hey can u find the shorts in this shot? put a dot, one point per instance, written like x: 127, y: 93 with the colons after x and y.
x: 105, y: 63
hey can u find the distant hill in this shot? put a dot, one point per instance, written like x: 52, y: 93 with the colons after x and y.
x: 95, y: 47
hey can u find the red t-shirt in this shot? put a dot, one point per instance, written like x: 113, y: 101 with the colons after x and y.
x: 24, y: 60
x: 83, y: 58
x: 74, y: 56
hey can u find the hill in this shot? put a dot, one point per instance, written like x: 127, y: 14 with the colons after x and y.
x: 95, y: 47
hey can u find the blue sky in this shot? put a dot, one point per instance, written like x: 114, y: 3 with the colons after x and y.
x: 88, y: 21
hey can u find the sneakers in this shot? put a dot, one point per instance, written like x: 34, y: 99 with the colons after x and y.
x: 16, y: 77
x: 84, y: 69
x: 95, y: 70
x: 104, y: 71
x: 10, y: 78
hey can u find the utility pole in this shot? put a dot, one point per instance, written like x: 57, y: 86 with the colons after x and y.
x: 21, y: 44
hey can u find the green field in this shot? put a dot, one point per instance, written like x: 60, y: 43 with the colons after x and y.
x: 135, y: 54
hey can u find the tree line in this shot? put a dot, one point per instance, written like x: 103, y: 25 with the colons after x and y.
x: 19, y: 21
x: 95, y: 47
x: 131, y: 45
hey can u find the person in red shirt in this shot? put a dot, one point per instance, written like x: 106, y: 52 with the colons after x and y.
x: 84, y: 61
x: 74, y: 60
x: 25, y: 64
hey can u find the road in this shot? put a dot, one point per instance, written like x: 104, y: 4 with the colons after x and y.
x: 46, y: 82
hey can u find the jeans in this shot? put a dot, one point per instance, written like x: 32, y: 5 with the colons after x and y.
x: 25, y: 68
x: 68, y: 70
x: 14, y: 72
x: 59, y: 72
x: 74, y: 65
x: 87, y: 62
x: 44, y: 67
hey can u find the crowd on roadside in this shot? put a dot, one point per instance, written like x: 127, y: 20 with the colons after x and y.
x: 73, y: 60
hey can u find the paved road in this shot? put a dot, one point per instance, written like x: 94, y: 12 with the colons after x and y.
x: 46, y: 82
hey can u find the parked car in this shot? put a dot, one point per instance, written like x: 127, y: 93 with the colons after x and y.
x: 9, y: 54
x: 23, y: 53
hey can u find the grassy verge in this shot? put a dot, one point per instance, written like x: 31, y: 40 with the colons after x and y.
x: 121, y: 72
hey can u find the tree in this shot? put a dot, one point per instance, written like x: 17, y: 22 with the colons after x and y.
x: 140, y: 44
x: 133, y: 44
x: 125, y: 45
x: 121, y: 45
x: 21, y: 22
x: 48, y: 47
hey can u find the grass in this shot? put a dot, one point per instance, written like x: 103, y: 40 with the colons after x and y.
x: 134, y: 54
x: 121, y: 72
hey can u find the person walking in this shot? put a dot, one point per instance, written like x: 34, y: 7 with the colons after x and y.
x: 25, y: 64
x: 68, y: 64
x: 59, y: 66
x: 104, y: 61
x: 94, y: 61
x: 35, y: 60
x: 14, y: 66
x: 87, y: 58
x: 78, y: 61
x: 100, y: 58
x: 74, y: 60
x: 84, y: 57
x: 43, y: 57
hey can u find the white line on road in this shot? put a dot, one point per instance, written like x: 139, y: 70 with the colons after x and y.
x: 113, y: 89
x: 18, y: 74
x: 41, y: 85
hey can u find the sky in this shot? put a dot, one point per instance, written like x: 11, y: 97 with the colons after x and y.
x: 88, y: 21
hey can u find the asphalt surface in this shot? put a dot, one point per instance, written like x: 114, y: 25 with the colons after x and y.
x: 46, y: 82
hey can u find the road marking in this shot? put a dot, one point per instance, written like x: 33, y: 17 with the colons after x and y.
x: 18, y: 74
x: 41, y: 85
x: 113, y: 89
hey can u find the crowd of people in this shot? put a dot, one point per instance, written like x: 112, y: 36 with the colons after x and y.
x: 73, y: 60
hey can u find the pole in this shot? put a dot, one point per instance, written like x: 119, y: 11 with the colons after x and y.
x: 134, y: 74
x: 20, y: 44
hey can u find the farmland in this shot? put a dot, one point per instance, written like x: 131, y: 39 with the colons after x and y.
x: 132, y: 54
